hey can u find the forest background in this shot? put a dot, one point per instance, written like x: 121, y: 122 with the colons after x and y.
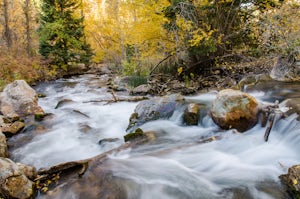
x: 41, y: 38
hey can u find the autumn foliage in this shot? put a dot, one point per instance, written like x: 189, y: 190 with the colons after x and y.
x: 139, y: 37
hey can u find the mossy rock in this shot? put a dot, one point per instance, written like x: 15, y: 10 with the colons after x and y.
x: 137, y: 134
x: 40, y: 116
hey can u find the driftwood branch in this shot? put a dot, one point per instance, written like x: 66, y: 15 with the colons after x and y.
x: 161, y: 61
x: 114, y: 100
x: 114, y: 96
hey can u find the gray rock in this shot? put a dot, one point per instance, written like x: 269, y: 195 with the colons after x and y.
x: 18, y: 98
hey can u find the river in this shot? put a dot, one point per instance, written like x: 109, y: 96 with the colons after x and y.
x: 175, y: 166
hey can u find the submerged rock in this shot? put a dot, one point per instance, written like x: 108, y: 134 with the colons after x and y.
x: 108, y: 140
x: 14, y: 183
x: 18, y: 98
x: 154, y: 109
x: 234, y: 109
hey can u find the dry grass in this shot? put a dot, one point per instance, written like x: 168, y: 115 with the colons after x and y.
x: 14, y: 67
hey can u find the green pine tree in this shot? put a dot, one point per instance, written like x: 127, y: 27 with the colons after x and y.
x: 62, y: 38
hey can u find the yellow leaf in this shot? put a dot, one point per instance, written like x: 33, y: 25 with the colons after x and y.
x: 179, y: 70
x: 295, y: 181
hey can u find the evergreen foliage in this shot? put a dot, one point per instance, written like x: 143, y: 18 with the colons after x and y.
x: 62, y: 38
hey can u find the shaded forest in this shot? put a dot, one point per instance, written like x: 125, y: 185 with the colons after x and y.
x: 41, y: 38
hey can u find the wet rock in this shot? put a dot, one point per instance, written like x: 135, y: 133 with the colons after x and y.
x: 292, y: 181
x: 141, y: 90
x: 14, y: 183
x: 154, y: 109
x: 234, y: 109
x: 286, y: 69
x: 191, y: 114
x: 3, y: 145
x: 137, y: 134
x: 18, y: 98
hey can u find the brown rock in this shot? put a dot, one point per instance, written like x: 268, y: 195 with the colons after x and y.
x: 12, y: 128
x: 234, y: 109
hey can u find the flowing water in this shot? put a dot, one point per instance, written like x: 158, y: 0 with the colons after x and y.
x: 176, y: 165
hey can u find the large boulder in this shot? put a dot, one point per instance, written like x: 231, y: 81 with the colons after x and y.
x: 234, y: 109
x: 154, y: 109
x: 286, y: 69
x: 18, y: 98
x: 14, y: 183
x: 3, y: 145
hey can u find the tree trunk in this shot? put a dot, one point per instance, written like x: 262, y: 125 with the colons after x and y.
x: 7, y: 31
x: 27, y: 26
